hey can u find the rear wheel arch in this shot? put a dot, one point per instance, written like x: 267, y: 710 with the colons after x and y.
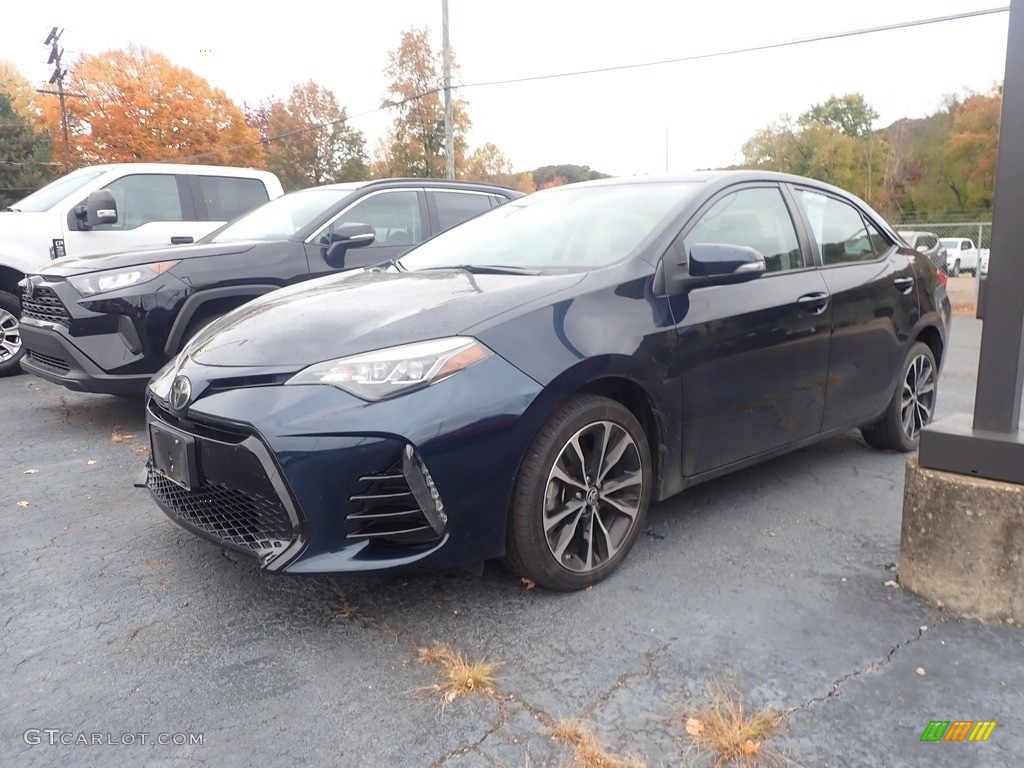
x: 930, y: 336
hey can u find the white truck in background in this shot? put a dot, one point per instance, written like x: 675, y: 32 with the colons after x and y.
x: 962, y: 255
x: 111, y: 208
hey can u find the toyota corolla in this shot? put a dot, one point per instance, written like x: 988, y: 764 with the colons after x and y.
x: 525, y: 385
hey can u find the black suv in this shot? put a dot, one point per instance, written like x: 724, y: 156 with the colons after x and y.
x: 107, y: 323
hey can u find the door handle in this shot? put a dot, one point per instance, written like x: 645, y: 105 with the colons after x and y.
x: 903, y: 284
x: 815, y: 303
x: 181, y: 239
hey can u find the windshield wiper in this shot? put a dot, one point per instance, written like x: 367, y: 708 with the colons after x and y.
x: 12, y: 210
x: 487, y: 269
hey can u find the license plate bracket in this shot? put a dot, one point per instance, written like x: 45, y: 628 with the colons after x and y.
x: 174, y: 455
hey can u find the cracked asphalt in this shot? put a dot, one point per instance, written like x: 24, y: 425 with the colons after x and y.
x: 119, y: 623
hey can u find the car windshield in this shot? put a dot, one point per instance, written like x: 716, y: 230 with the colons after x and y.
x: 565, y: 229
x: 44, y: 199
x: 281, y: 218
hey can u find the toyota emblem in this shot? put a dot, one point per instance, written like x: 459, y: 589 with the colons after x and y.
x: 181, y: 393
x: 30, y: 288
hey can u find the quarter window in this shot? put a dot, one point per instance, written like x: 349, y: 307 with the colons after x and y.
x: 394, y: 216
x: 144, y: 198
x: 842, y: 234
x: 757, y: 218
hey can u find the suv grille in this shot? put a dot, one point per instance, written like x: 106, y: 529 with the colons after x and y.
x: 46, y: 361
x: 44, y: 304
x: 388, y: 512
x: 246, y: 520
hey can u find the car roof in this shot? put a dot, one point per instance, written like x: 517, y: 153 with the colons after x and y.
x: 473, y: 186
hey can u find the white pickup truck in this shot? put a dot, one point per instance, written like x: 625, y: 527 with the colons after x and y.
x: 109, y: 208
x: 962, y: 255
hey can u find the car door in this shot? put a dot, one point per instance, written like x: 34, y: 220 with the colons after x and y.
x: 874, y: 306
x: 399, y: 221
x: 753, y: 355
x: 153, y: 210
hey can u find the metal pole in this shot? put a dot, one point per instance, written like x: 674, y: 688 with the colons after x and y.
x: 64, y: 121
x: 449, y: 111
x: 1001, y: 364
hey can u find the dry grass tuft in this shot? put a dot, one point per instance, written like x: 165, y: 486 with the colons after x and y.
x: 140, y: 448
x: 459, y: 676
x: 737, y: 736
x: 589, y: 753
x: 117, y: 436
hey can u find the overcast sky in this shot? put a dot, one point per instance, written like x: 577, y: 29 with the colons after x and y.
x: 681, y: 116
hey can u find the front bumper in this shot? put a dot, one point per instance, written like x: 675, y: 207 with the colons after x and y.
x: 323, y: 482
x: 51, y: 355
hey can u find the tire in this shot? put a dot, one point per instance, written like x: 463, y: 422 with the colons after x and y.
x: 555, y: 491
x: 955, y: 272
x: 912, y: 405
x: 11, y: 348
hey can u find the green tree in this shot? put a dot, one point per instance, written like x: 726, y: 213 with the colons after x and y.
x: 307, y: 141
x: 569, y: 174
x: 851, y: 114
x: 24, y: 155
x: 415, y: 143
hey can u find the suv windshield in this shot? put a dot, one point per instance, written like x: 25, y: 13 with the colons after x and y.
x: 565, y: 229
x: 281, y: 218
x: 44, y: 199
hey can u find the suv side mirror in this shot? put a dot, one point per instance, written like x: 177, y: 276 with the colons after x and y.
x: 100, y: 208
x: 714, y: 264
x: 351, y: 235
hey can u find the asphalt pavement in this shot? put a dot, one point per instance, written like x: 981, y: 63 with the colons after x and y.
x: 123, y: 631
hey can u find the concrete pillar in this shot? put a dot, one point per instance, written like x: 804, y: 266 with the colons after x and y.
x: 962, y: 543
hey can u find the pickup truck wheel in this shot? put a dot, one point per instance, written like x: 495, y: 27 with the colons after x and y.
x: 955, y: 271
x: 11, y: 349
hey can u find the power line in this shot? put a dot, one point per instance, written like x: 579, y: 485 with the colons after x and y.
x: 616, y: 68
x: 748, y: 49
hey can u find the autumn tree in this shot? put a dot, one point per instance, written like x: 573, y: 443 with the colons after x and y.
x: 564, y: 174
x: 21, y: 94
x: 141, y: 107
x: 24, y: 155
x: 415, y: 143
x: 489, y: 164
x: 307, y: 141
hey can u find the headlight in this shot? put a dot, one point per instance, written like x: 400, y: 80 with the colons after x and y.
x: 113, y: 279
x: 160, y: 384
x: 392, y: 371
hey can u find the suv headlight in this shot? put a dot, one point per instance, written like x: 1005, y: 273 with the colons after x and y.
x: 392, y: 371
x: 114, y: 279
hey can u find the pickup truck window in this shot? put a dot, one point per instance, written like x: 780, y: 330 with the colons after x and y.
x: 226, y: 198
x: 143, y: 198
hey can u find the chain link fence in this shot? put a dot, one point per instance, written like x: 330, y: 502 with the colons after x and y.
x: 969, y: 256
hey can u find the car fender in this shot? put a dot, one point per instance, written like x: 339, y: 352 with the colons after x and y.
x: 194, y: 304
x: 20, y: 258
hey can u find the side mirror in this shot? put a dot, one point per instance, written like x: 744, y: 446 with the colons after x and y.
x: 714, y: 264
x: 100, y: 208
x: 351, y: 235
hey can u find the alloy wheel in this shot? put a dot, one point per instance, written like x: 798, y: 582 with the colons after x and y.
x: 918, y: 402
x: 593, y: 496
x: 10, y: 336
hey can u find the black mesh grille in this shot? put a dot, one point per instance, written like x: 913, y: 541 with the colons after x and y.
x: 46, y: 361
x: 247, y: 520
x: 44, y: 305
x: 126, y: 328
x: 387, y: 511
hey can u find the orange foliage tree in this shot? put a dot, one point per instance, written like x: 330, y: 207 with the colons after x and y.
x: 139, y: 107
x: 415, y: 146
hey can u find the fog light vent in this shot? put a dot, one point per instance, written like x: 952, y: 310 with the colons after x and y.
x: 126, y: 328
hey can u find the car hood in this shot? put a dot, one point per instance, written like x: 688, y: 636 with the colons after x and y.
x: 361, y: 311
x: 68, y: 266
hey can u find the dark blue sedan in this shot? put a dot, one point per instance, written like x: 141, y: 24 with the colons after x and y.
x: 526, y: 384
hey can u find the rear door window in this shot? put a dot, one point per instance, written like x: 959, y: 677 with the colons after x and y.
x: 455, y: 207
x: 224, y: 198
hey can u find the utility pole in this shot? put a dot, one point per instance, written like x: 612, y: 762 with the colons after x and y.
x: 449, y: 111
x: 58, y: 78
